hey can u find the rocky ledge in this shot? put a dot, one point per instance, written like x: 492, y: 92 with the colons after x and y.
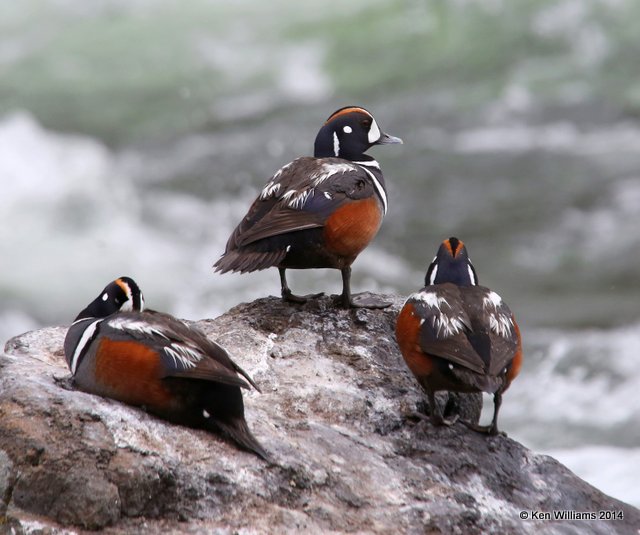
x: 335, y: 413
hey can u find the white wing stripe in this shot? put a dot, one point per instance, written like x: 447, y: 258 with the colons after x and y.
x: 143, y: 327
x: 328, y: 170
x: 491, y: 299
x: 501, y: 324
x: 431, y: 299
x: 270, y: 190
x: 445, y: 324
x: 183, y: 356
x: 448, y: 325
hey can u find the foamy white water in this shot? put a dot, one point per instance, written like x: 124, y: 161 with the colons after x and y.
x: 577, y: 400
x: 581, y: 378
x: 612, y: 470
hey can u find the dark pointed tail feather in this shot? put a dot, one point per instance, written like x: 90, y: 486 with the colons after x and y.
x: 247, y: 377
x: 246, y: 261
x: 226, y: 408
x: 238, y: 430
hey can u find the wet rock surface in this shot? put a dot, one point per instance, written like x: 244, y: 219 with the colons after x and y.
x: 335, y: 413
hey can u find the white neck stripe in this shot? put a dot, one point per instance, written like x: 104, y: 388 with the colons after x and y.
x: 369, y: 163
x: 472, y: 276
x: 83, y: 343
x: 379, y: 189
x: 434, y: 273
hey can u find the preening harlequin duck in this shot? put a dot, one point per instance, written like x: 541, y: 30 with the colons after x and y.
x: 455, y: 335
x: 117, y: 349
x: 317, y: 212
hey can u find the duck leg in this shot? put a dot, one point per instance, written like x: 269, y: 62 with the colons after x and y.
x: 436, y: 417
x: 492, y: 428
x: 358, y: 300
x: 288, y: 295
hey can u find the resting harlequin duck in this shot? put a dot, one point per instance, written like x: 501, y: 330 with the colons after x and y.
x: 455, y: 335
x: 317, y: 212
x: 117, y: 349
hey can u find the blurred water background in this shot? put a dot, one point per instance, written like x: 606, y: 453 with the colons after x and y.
x: 135, y: 133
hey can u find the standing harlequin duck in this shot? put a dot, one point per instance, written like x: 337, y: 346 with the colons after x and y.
x: 149, y: 359
x: 318, y: 212
x: 455, y: 335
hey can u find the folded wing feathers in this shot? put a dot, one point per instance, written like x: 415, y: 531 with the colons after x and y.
x: 501, y: 324
x: 447, y: 325
x: 270, y: 190
x: 297, y: 197
x: 500, y: 320
x: 184, y: 357
x: 134, y: 326
x: 328, y: 170
x: 443, y: 319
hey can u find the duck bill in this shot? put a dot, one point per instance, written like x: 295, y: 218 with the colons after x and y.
x: 386, y: 139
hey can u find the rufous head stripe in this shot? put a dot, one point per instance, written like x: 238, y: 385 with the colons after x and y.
x: 347, y: 110
x: 450, y: 243
x: 125, y: 287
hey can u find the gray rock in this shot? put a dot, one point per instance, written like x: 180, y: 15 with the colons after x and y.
x: 335, y: 413
x: 7, y: 482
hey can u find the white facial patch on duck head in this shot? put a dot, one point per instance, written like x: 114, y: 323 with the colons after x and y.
x: 129, y: 304
x: 374, y: 132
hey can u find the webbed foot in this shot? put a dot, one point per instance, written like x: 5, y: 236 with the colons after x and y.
x: 290, y: 297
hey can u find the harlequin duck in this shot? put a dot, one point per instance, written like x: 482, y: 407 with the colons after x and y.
x: 117, y: 349
x: 317, y: 212
x: 455, y: 335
